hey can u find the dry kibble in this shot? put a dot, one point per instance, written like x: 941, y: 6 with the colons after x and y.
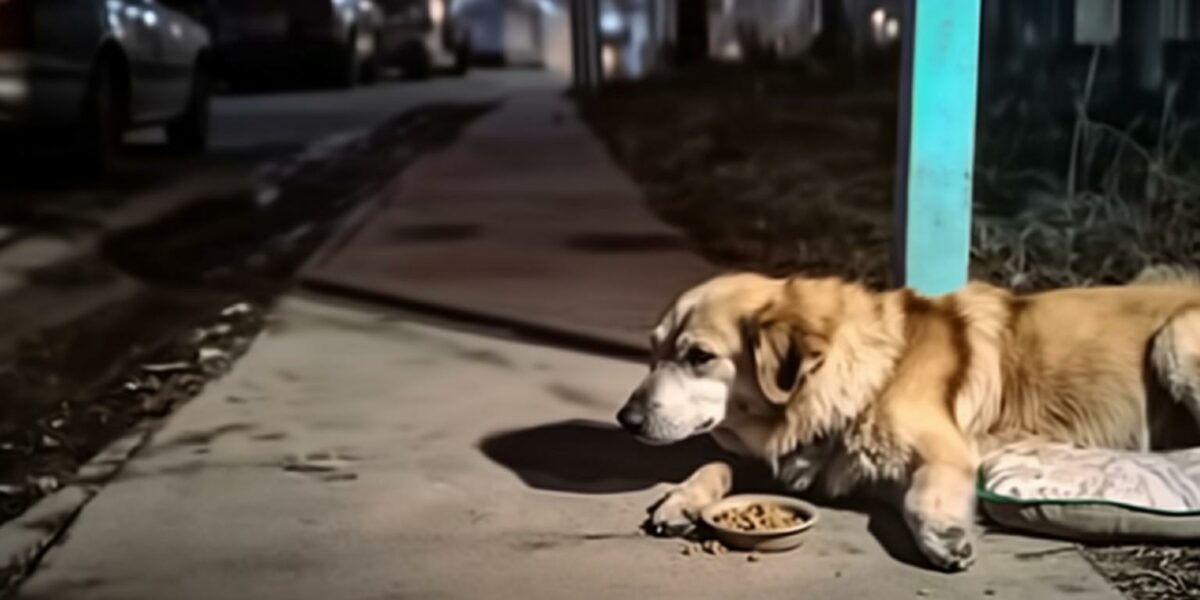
x: 758, y: 517
x: 713, y: 547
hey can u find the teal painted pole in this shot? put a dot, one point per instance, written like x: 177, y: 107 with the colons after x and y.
x: 939, y: 83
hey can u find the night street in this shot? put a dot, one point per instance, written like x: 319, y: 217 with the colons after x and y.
x: 491, y: 299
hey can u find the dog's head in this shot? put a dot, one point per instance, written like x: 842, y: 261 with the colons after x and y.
x: 733, y: 348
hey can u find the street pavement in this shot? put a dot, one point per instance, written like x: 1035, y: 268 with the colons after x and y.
x: 359, y: 451
x: 525, y: 220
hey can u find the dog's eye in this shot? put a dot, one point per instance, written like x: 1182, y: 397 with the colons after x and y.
x: 697, y: 356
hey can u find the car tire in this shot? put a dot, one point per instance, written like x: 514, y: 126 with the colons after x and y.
x: 371, y: 68
x: 462, y: 59
x: 188, y: 133
x: 418, y: 63
x: 346, y: 68
x: 102, y: 130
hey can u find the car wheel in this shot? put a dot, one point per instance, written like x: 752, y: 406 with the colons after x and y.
x: 347, y: 66
x: 103, y: 124
x: 368, y: 49
x: 189, y: 132
x: 418, y: 64
x: 462, y: 59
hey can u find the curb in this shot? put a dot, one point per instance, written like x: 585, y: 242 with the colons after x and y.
x: 621, y: 347
x: 25, y: 540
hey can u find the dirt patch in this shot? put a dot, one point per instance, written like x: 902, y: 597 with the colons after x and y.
x: 43, y: 449
x: 781, y: 169
x: 1150, y: 572
x: 259, y: 236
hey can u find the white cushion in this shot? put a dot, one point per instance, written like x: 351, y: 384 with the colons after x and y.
x: 1093, y: 494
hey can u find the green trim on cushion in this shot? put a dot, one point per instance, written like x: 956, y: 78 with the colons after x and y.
x: 986, y: 495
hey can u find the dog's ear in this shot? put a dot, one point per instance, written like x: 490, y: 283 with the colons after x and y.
x: 778, y: 355
x: 782, y: 354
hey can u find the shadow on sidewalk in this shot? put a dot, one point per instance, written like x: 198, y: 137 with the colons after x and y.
x: 590, y: 457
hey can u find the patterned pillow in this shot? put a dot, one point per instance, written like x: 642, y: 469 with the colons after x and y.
x: 1093, y: 494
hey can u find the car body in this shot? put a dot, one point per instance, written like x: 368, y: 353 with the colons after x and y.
x: 418, y: 35
x: 338, y: 42
x: 77, y: 69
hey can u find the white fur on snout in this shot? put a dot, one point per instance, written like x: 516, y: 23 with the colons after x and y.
x: 680, y: 404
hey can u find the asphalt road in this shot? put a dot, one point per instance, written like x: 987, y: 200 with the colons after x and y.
x: 249, y: 130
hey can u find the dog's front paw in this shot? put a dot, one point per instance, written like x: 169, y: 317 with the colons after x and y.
x: 674, y: 515
x: 949, y: 548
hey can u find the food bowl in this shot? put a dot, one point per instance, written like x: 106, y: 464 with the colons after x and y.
x: 766, y: 540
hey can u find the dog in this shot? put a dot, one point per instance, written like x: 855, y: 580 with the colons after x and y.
x: 840, y: 388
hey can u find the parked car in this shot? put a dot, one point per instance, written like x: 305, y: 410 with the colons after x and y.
x: 418, y: 35
x: 80, y: 73
x: 336, y: 42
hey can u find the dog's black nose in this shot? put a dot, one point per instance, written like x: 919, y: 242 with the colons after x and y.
x: 631, y: 418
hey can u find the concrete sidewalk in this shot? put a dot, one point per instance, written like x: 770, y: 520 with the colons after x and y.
x: 361, y: 455
x: 526, y: 220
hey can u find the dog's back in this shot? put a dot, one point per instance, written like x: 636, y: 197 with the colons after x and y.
x: 1076, y: 363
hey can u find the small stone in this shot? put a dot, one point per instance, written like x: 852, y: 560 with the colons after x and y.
x: 753, y: 557
x: 208, y: 354
x: 686, y: 550
x: 168, y: 367
x: 922, y: 592
x: 46, y: 484
x: 240, y: 308
x: 156, y: 405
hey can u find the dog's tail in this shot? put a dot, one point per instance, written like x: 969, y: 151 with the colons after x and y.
x: 1168, y: 275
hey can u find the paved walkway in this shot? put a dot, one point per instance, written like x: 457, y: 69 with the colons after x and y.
x: 527, y: 220
x: 359, y: 455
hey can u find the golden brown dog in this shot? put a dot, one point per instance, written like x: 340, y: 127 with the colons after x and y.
x: 836, y: 385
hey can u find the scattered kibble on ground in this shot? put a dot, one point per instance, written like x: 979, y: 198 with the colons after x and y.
x: 711, y: 547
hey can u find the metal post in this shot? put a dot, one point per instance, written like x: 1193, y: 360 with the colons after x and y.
x: 585, y: 44
x: 936, y: 154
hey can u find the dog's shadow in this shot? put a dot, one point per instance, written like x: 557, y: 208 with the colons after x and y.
x: 587, y: 457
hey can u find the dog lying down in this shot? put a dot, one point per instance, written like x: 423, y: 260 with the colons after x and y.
x: 847, y: 389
